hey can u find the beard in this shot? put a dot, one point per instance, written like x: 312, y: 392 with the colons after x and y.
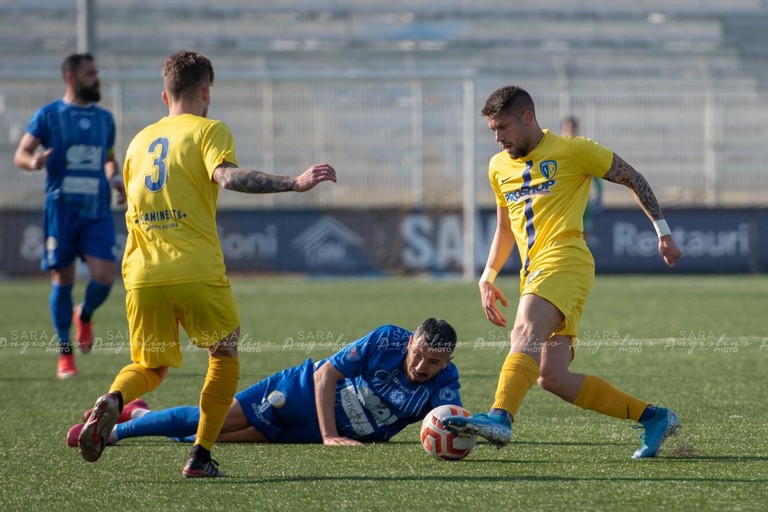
x: 88, y: 93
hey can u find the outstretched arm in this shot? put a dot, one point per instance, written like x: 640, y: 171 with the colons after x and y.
x: 325, y: 400
x: 624, y: 174
x: 252, y: 181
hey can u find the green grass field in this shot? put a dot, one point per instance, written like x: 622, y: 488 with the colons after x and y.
x: 698, y: 344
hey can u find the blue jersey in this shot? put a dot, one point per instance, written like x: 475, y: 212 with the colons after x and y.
x: 81, y: 138
x: 376, y: 400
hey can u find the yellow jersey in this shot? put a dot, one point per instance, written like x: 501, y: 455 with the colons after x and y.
x: 171, y: 216
x: 546, y: 193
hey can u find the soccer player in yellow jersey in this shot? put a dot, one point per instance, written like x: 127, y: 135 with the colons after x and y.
x: 541, y: 182
x: 173, y: 265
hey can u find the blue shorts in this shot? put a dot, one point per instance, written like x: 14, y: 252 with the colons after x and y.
x: 282, y: 406
x: 69, y: 235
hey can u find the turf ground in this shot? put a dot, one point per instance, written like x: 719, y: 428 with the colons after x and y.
x: 698, y: 344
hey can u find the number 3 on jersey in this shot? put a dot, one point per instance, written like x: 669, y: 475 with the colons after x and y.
x: 155, y: 181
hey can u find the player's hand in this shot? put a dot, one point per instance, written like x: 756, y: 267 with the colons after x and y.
x: 119, y: 187
x: 340, y: 441
x: 40, y: 159
x: 489, y: 294
x: 314, y: 175
x: 669, y: 250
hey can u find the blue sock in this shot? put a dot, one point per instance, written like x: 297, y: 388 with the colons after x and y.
x: 60, y: 304
x: 95, y: 295
x: 648, y: 413
x: 174, y: 422
x: 495, y: 411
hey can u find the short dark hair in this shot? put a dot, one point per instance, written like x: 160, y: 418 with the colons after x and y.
x: 72, y: 62
x: 437, y: 334
x: 186, y: 70
x: 510, y: 97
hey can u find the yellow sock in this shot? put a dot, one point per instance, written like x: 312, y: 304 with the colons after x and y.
x: 518, y: 374
x: 134, y: 381
x: 216, y: 398
x: 599, y: 395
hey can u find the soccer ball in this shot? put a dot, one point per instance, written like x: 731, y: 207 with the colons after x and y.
x: 440, y: 442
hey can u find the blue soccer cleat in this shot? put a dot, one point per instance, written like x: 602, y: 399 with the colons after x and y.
x: 657, y: 429
x: 495, y: 428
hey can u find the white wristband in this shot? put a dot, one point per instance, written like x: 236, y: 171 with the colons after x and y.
x: 662, y: 228
x: 488, y: 275
x: 115, y: 179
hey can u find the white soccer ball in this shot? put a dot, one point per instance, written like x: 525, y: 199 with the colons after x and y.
x: 440, y: 442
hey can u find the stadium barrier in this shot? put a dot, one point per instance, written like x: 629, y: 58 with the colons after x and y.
x: 394, y: 241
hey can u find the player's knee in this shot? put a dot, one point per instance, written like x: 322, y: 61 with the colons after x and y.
x: 553, y: 382
x: 102, y: 271
x: 105, y: 277
x: 162, y: 372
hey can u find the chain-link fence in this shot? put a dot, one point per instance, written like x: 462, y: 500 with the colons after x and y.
x: 397, y: 139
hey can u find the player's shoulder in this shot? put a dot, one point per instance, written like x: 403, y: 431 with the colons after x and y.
x: 450, y: 372
x: 214, y: 126
x: 146, y: 131
x: 500, y: 158
x: 557, y: 143
x: 577, y: 142
x: 203, y: 126
x: 447, y: 379
x: 53, y: 106
x: 387, y: 338
x: 102, y: 111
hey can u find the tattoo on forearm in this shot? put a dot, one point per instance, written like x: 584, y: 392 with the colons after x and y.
x: 624, y: 174
x: 255, y: 182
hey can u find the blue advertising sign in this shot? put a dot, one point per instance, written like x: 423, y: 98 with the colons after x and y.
x: 352, y: 242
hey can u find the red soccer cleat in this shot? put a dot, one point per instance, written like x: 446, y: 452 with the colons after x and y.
x: 74, y: 434
x: 127, y: 413
x: 83, y: 331
x: 66, y: 367
x: 95, y: 433
x: 139, y: 403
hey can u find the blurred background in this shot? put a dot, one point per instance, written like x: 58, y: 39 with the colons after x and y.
x: 390, y: 94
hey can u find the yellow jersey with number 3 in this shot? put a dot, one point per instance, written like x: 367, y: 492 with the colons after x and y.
x: 546, y: 193
x: 171, y: 216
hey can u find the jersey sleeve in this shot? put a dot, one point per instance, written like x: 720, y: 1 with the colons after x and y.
x: 500, y: 200
x: 594, y: 158
x: 218, y: 145
x: 447, y: 388
x: 38, y: 127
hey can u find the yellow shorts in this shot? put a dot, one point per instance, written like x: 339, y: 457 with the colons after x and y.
x: 564, y: 280
x: 207, y: 311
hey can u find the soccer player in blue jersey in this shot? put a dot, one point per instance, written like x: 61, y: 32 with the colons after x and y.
x: 78, y: 138
x: 541, y: 183
x: 368, y: 391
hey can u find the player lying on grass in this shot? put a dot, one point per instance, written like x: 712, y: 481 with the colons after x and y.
x: 368, y: 391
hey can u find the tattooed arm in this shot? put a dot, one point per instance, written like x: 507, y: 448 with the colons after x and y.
x: 252, y: 181
x: 624, y: 174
